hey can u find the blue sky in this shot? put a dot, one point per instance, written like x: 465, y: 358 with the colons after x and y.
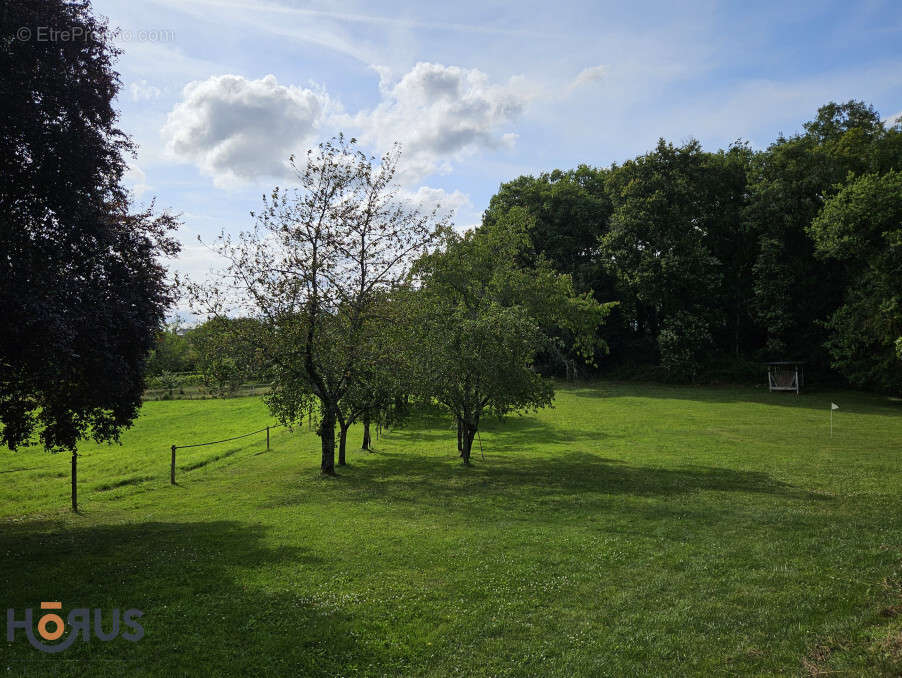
x: 218, y: 93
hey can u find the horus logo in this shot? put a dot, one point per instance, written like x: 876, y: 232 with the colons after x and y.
x: 51, y: 626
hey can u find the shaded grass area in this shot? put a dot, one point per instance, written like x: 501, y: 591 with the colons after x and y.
x: 631, y: 530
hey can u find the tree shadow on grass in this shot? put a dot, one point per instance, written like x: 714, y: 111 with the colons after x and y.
x: 511, y: 434
x: 523, y: 488
x: 202, y: 614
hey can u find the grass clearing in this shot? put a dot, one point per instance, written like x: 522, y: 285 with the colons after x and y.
x: 631, y: 530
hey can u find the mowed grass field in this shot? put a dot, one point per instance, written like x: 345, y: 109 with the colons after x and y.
x: 630, y: 530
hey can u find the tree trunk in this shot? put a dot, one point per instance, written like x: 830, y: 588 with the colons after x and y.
x: 75, y: 481
x: 327, y: 436
x: 468, y: 434
x: 342, y: 442
x: 366, y: 433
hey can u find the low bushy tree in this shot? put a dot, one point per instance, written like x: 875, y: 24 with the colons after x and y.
x: 477, y: 323
x: 172, y: 352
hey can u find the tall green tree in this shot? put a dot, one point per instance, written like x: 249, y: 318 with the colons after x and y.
x: 860, y: 230
x: 733, y: 242
x: 795, y: 291
x: 83, y: 288
x: 659, y: 249
x: 569, y: 212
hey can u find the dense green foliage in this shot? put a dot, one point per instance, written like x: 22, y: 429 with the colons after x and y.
x: 82, y: 285
x: 173, y: 351
x: 214, y: 358
x: 713, y: 256
x: 860, y: 228
x: 230, y: 352
x: 631, y: 530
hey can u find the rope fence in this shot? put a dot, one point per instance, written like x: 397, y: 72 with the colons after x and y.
x: 267, y: 429
x: 215, y: 442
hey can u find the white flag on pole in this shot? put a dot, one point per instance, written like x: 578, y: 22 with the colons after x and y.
x: 834, y: 406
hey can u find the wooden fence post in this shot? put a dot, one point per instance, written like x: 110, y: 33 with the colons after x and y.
x: 172, y: 468
x: 75, y: 481
x: 267, y: 438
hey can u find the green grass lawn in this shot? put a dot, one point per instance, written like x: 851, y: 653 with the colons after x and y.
x: 630, y: 530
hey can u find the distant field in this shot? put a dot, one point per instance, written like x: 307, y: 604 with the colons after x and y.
x: 630, y: 530
x: 201, y: 392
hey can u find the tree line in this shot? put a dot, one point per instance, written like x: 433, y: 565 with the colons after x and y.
x: 719, y: 260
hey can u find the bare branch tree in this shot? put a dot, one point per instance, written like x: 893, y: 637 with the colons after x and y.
x: 312, y: 269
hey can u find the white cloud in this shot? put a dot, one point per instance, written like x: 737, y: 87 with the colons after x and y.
x: 235, y: 129
x: 893, y: 120
x: 439, y: 114
x: 589, y: 75
x: 427, y: 198
x: 143, y: 91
